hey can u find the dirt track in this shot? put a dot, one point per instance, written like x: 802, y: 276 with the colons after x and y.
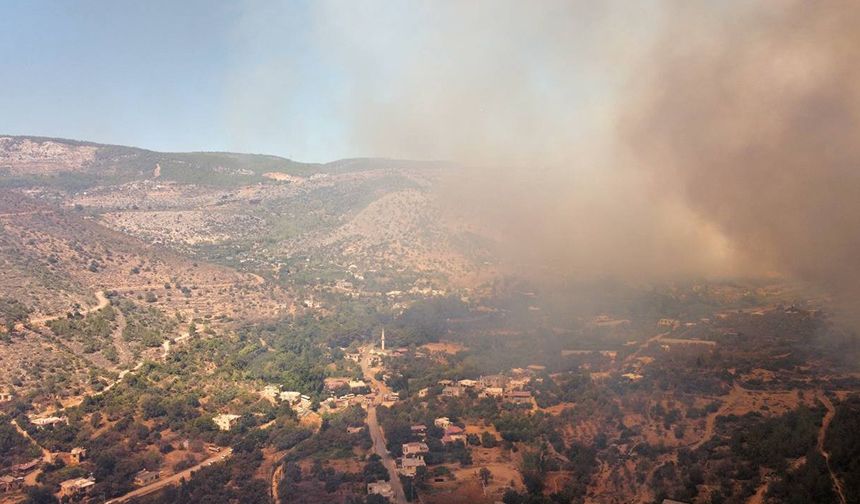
x: 822, y: 435
x: 103, y: 301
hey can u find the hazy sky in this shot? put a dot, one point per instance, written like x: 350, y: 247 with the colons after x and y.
x: 306, y: 80
x: 663, y: 136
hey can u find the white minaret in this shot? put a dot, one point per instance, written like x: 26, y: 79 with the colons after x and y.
x: 383, y: 339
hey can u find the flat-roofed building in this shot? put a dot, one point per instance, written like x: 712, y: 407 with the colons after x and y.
x: 452, y: 391
x: 519, y: 397
x: 145, y: 477
x: 50, y: 421
x: 290, y: 396
x: 493, y: 392
x: 415, y: 449
x: 442, y: 422
x: 380, y: 487
x: 77, y: 487
x: 226, y: 421
x: 409, y: 466
x: 77, y: 455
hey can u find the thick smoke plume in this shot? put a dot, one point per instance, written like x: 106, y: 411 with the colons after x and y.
x: 523, y: 95
x: 754, y: 119
x: 642, y: 140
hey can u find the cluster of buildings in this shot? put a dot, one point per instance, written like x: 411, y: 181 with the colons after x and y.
x: 14, y: 479
x: 414, y: 452
x: 413, y: 458
x: 72, y: 489
x: 76, y: 489
x: 451, y: 433
x: 509, y: 389
x: 334, y: 384
x: 335, y: 404
x: 299, y: 402
x: 10, y: 483
x: 358, y: 393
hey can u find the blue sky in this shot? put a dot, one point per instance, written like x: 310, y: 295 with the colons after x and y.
x: 313, y: 81
x: 157, y: 74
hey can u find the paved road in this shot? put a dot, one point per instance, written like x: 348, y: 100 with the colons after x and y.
x: 171, y: 480
x: 376, y: 433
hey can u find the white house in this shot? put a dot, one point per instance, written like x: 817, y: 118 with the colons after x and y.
x: 226, y: 422
x: 442, y: 422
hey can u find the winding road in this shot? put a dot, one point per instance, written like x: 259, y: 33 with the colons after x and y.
x: 103, y: 301
x: 822, y: 435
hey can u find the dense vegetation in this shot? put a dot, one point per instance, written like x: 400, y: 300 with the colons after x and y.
x: 843, y: 444
x: 14, y: 448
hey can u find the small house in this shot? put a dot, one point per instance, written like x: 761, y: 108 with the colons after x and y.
x: 380, y: 487
x: 442, y: 422
x: 50, y: 421
x: 519, y: 397
x: 452, y: 391
x: 493, y: 392
x: 409, y: 466
x: 144, y: 477
x: 290, y: 396
x: 415, y: 449
x: 77, y: 455
x: 77, y: 487
x: 226, y: 422
x: 453, y: 434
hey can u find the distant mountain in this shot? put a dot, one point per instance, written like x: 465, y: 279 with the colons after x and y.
x: 249, y: 211
x: 76, y: 165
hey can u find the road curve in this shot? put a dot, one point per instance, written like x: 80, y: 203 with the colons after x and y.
x: 103, y: 301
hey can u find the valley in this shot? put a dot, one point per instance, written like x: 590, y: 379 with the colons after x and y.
x: 207, y: 327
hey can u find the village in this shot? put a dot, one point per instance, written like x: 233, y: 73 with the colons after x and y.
x: 418, y: 450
